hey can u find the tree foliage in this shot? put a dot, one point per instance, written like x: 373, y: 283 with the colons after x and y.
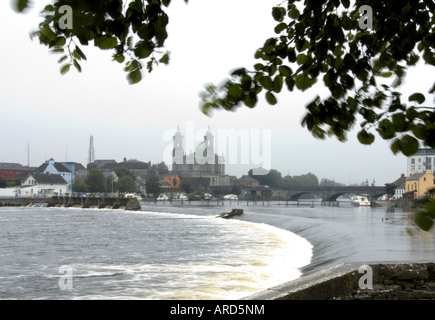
x: 126, y: 183
x: 322, y: 40
x: 362, y: 69
x: 95, y: 181
x: 153, y: 185
x: 304, y: 180
x: 272, y: 178
x: 79, y: 185
x: 134, y: 31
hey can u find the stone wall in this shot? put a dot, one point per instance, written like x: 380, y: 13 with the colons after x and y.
x: 380, y: 281
x: 88, y: 202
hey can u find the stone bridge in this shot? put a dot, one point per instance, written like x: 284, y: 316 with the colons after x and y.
x: 331, y: 193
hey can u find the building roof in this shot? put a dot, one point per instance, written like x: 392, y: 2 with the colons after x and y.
x: 105, y: 164
x: 11, y: 166
x: 424, y: 152
x: 45, y: 178
x: 77, y: 165
x: 246, y: 178
x: 416, y: 176
x: 399, y: 181
x: 134, y: 164
x: 58, y: 166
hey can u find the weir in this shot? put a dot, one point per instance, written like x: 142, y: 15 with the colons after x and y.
x: 78, y: 202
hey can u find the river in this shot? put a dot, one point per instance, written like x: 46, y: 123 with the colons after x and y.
x: 173, y: 251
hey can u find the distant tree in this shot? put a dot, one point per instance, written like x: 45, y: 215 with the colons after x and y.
x: 162, y: 168
x: 153, y: 185
x: 272, y: 178
x: 304, y: 180
x: 10, y: 183
x: 79, y: 185
x: 121, y: 171
x: 307, y: 180
x: 95, y: 181
x: 126, y: 184
x: 3, y: 183
x: 111, y: 184
x: 159, y: 168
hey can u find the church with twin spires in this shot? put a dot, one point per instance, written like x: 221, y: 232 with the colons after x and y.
x: 202, y: 163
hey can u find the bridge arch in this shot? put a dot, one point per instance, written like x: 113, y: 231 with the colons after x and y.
x: 295, y: 197
x: 334, y: 196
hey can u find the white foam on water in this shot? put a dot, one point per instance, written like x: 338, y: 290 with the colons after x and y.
x: 271, y: 256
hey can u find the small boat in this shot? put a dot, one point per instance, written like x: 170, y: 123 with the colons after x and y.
x: 360, y: 200
x: 234, y: 212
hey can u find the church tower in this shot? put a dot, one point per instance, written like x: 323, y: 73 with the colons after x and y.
x: 178, y: 152
x: 209, y: 147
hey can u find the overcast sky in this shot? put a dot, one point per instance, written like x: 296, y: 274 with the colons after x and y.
x: 57, y: 114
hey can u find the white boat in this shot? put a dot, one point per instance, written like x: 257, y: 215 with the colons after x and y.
x: 360, y: 200
x: 180, y: 197
x: 162, y: 197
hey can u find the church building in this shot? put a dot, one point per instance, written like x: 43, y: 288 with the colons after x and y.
x: 202, y: 163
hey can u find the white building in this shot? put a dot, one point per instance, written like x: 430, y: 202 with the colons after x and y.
x: 422, y: 160
x: 42, y: 185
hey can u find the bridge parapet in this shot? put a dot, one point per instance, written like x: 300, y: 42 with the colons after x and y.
x: 331, y: 193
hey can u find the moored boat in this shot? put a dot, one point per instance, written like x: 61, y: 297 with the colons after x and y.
x: 360, y: 200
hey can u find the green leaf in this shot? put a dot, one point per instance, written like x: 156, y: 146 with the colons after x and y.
x: 80, y: 53
x: 271, y: 99
x: 293, y: 12
x: 290, y: 82
x: 119, y: 58
x: 105, y: 42
x: 59, y: 42
x: 250, y: 100
x: 396, y: 146
x: 278, y: 13
x: 258, y: 66
x: 386, y: 74
x: 238, y: 72
x: 303, y: 82
x: 418, y: 97
x: 280, y: 27
x: 277, y: 83
x: 62, y: 59
x: 365, y: 137
x: 65, y: 68
x: 428, y: 57
x: 346, y: 3
x: 134, y: 76
x: 302, y: 59
x: 235, y: 91
x: 77, y: 65
x: 409, y: 145
x: 285, y: 71
x: 399, y: 122
x: 386, y: 129
x: 20, y: 5
x: 164, y: 59
x: 266, y: 82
